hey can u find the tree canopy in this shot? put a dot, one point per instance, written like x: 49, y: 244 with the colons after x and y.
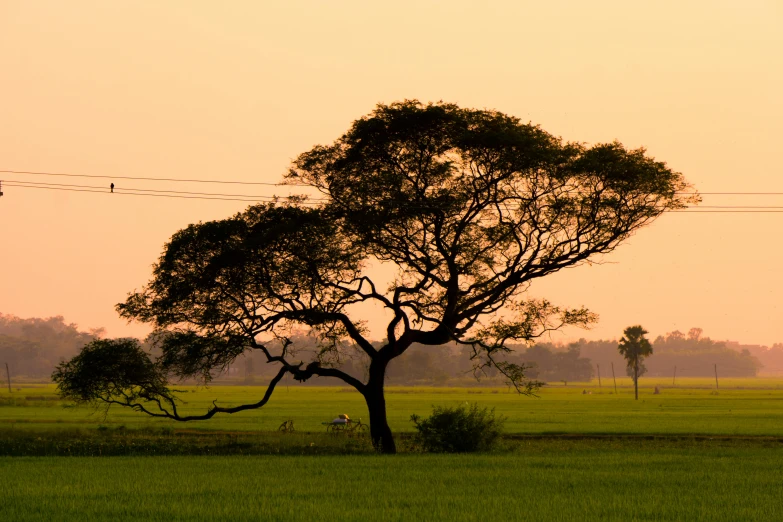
x: 468, y: 206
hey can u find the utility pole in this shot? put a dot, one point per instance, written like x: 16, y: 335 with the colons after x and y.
x: 675, y: 374
x: 599, y: 374
x: 614, y: 379
x: 8, y: 374
x: 716, y: 377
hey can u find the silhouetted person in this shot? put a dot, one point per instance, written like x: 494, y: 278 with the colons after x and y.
x: 112, y: 187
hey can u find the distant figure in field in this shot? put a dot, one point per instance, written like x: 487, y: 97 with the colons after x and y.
x: 657, y: 391
x: 112, y: 187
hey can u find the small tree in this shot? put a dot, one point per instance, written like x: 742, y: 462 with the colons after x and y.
x: 634, y: 346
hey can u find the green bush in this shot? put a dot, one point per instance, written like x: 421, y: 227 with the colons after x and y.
x: 458, y: 430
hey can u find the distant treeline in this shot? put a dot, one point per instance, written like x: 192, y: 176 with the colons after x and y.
x: 692, y: 354
x: 33, y: 347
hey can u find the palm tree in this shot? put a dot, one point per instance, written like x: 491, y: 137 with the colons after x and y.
x: 634, y: 346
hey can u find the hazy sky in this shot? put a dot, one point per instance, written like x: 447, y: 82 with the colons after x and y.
x: 235, y: 90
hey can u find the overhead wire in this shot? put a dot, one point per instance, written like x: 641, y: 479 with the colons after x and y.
x: 34, y: 184
x: 161, y: 195
x: 250, y: 198
x: 290, y: 184
x: 132, y: 193
x: 142, y: 178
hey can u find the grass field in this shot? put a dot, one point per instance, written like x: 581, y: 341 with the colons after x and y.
x: 545, y: 482
x: 624, y: 460
x: 739, y: 407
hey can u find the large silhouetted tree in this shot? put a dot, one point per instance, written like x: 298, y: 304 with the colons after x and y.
x: 634, y: 346
x: 468, y: 207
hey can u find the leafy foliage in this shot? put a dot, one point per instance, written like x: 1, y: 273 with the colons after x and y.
x: 111, y: 370
x: 634, y: 346
x: 460, y: 429
x: 471, y: 205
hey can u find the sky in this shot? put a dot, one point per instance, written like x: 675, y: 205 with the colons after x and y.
x: 234, y: 91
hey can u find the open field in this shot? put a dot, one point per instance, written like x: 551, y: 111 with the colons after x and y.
x: 545, y: 482
x: 689, y: 453
x: 739, y: 407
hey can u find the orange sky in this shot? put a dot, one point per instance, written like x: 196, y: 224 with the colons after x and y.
x: 235, y: 90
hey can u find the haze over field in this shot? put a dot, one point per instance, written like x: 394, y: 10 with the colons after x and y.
x: 33, y: 347
x: 196, y: 90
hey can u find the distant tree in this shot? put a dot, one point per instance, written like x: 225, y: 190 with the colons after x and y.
x: 32, y: 347
x: 676, y: 335
x: 468, y: 207
x: 572, y: 367
x: 634, y: 346
x: 694, y: 334
x: 551, y: 363
x: 770, y: 358
x: 539, y: 359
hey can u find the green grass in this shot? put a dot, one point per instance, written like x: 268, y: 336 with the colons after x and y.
x: 146, y: 442
x: 611, y: 465
x: 748, y: 407
x: 541, y: 480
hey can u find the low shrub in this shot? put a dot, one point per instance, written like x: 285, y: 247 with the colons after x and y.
x: 460, y: 429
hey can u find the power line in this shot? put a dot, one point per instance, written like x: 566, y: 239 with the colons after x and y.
x: 728, y: 209
x: 177, y: 196
x: 140, y: 178
x: 230, y: 182
x: 134, y: 193
x: 34, y: 184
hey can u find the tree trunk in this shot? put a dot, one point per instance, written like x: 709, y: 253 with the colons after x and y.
x: 382, y: 438
x: 636, y: 378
